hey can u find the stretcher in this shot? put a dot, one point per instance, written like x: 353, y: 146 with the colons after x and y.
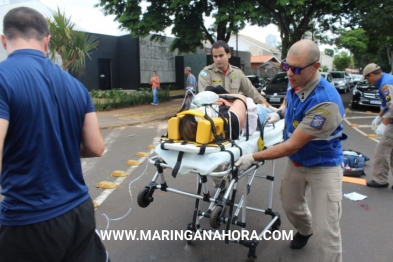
x: 212, y: 160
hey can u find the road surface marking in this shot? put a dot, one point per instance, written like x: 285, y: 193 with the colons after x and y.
x: 360, y: 117
x: 88, y: 164
x: 360, y: 131
x: 104, y: 195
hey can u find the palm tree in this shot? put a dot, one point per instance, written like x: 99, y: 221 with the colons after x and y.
x: 72, y: 46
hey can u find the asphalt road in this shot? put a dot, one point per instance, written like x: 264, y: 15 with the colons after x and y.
x: 366, y: 225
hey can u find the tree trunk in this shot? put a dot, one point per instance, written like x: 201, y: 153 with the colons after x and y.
x: 288, y: 41
x: 390, y: 57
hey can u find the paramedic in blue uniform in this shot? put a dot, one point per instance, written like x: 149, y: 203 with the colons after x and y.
x: 382, y: 124
x: 313, y: 115
x: 47, y: 123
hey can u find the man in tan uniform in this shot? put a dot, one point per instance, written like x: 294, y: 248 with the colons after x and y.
x: 383, y: 157
x: 313, y: 133
x: 221, y: 73
x: 228, y: 76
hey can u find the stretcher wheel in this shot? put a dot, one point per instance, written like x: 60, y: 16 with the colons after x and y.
x: 189, y: 234
x: 215, y: 217
x: 143, y: 200
x: 276, y: 225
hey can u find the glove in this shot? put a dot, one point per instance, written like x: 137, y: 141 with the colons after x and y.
x: 245, y: 162
x: 376, y: 122
x: 272, y: 108
x: 380, y: 130
x: 272, y: 117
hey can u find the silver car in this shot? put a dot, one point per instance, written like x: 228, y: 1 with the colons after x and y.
x: 341, y: 81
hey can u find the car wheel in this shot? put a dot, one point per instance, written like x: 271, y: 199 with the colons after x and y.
x: 354, y: 105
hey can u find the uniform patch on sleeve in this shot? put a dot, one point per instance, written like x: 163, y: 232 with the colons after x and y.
x: 322, y: 111
x: 317, y: 122
x: 385, y: 90
x: 388, y: 98
x: 203, y: 73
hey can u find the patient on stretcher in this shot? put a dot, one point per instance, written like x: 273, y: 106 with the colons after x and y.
x: 233, y: 110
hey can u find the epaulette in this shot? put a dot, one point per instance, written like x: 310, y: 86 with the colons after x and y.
x: 209, y: 67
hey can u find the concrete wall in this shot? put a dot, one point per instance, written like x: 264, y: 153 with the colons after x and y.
x: 107, y: 49
x: 241, y: 44
x: 155, y: 56
x: 244, y: 45
x: 128, y: 62
x: 327, y: 61
x: 245, y: 58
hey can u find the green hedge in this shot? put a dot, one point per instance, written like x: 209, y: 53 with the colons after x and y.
x: 117, y: 98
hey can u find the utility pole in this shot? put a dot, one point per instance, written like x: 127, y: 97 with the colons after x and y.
x: 237, y: 48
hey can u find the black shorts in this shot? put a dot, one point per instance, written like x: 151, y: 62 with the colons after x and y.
x: 233, y: 123
x: 69, y: 237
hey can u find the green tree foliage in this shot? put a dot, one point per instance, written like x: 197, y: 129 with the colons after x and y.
x: 375, y: 18
x: 293, y: 18
x: 72, y: 46
x: 186, y: 18
x: 342, y: 60
x: 325, y: 68
x: 357, y: 42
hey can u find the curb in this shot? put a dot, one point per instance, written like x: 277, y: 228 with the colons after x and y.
x: 136, y: 123
x: 114, y: 122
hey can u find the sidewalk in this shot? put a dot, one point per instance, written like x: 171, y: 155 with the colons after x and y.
x: 138, y: 114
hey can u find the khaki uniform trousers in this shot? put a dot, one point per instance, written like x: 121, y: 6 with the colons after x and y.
x: 326, y: 195
x: 383, y: 156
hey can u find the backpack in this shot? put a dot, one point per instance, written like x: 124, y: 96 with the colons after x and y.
x: 354, y: 163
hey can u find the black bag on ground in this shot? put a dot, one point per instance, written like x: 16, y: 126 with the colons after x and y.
x: 354, y: 163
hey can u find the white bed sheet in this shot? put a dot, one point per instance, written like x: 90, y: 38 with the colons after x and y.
x: 213, y: 158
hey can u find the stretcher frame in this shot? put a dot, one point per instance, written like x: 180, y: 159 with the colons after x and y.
x: 220, y: 202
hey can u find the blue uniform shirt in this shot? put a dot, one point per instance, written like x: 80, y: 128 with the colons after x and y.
x: 385, y: 84
x: 316, y: 109
x: 41, y: 169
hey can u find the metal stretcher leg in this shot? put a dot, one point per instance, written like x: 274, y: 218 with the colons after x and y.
x: 194, y: 225
x: 220, y: 203
x: 275, y: 216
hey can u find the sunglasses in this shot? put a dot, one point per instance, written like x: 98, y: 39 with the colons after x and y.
x: 295, y: 69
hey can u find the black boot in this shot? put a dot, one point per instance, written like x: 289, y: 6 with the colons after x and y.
x: 372, y: 183
x: 299, y: 241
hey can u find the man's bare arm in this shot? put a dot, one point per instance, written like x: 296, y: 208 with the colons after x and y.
x: 289, y: 147
x: 92, y: 143
x: 3, y: 132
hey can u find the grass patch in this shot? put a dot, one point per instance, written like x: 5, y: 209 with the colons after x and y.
x: 117, y: 98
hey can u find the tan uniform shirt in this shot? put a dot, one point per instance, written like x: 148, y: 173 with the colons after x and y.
x: 234, y: 81
x: 328, y: 110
